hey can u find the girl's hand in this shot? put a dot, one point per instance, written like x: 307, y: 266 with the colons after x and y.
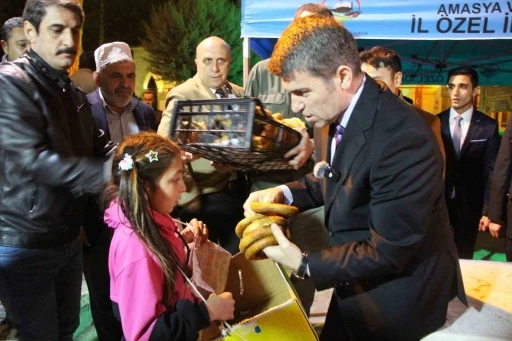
x: 221, y: 307
x: 195, y: 231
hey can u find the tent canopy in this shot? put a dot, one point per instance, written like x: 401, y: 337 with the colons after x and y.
x: 431, y: 36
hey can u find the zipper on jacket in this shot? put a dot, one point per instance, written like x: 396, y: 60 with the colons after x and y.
x: 33, y: 203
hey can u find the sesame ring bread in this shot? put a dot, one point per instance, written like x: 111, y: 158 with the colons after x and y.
x: 274, y: 209
x: 255, y: 250
x: 265, y: 221
x: 240, y: 227
x: 259, y: 231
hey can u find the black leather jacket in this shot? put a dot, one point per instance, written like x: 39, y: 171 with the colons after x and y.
x: 53, y: 155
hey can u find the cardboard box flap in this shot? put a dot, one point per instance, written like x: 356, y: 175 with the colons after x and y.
x: 256, y: 284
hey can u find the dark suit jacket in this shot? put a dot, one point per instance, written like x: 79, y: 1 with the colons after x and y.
x: 500, y: 182
x: 392, y: 260
x: 145, y: 118
x: 144, y: 114
x: 470, y: 173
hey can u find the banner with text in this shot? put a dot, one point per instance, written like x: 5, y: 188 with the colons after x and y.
x: 397, y: 19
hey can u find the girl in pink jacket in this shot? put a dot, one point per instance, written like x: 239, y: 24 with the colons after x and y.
x: 148, y: 256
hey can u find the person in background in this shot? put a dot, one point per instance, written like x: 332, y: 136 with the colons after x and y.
x: 119, y: 115
x: 113, y: 105
x: 308, y: 230
x: 213, y: 195
x: 83, y: 78
x: 150, y: 98
x: 391, y: 257
x: 499, y: 209
x: 14, y: 43
x: 13, y: 40
x: 54, y: 157
x: 148, y: 256
x: 385, y: 65
x: 471, y: 143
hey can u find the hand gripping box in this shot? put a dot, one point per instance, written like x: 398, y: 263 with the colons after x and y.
x: 266, y: 307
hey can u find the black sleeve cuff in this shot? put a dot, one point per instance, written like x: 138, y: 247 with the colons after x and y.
x: 182, y: 324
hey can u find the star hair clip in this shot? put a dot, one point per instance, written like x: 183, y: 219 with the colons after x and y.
x: 126, y: 163
x: 152, y: 156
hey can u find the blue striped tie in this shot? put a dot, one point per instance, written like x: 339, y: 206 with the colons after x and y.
x: 339, y: 133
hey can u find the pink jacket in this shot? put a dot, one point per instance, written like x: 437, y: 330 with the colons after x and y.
x: 136, y: 278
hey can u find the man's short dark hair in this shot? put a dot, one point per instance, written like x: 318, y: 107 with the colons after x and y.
x: 465, y: 70
x: 316, y: 45
x: 316, y: 9
x: 382, y: 57
x: 155, y: 96
x: 35, y: 10
x: 87, y: 61
x: 9, y: 25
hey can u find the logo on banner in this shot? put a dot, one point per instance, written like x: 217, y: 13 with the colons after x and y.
x: 344, y: 10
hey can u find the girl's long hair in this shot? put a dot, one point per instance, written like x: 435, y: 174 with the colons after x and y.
x: 132, y: 186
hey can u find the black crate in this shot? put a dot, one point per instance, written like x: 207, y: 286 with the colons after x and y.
x: 231, y: 131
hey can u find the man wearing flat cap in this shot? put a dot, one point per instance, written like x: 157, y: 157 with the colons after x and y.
x: 118, y: 114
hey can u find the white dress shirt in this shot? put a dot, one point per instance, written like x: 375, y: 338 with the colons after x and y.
x: 344, y: 121
x: 120, y: 125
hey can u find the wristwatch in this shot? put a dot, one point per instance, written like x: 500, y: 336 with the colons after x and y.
x: 301, y: 271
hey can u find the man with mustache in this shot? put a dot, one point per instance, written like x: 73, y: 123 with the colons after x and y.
x: 118, y: 114
x: 54, y: 156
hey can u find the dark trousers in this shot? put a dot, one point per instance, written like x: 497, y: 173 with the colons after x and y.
x: 464, y: 222
x: 508, y: 233
x: 97, y: 277
x: 40, y: 289
x: 221, y: 212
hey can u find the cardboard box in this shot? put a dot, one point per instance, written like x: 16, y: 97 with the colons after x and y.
x: 266, y: 307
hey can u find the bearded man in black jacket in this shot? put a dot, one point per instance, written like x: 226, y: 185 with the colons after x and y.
x: 54, y: 157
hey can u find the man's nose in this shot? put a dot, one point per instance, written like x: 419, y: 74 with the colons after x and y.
x: 297, y: 104
x: 216, y: 67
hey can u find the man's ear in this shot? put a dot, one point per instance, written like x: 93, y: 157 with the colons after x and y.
x: 398, y: 79
x: 345, y: 75
x: 30, y: 31
x: 96, y: 77
x: 4, y: 45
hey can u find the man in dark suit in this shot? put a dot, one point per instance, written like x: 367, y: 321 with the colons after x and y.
x: 471, y: 143
x: 385, y: 65
x: 118, y: 114
x: 499, y: 209
x: 391, y: 257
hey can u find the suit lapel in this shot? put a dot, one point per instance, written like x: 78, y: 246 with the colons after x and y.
x: 353, y: 139
x: 139, y: 116
x: 446, y: 134
x: 98, y: 112
x: 206, y: 91
x: 474, y: 126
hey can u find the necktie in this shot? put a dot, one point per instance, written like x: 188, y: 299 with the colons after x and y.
x: 338, y: 134
x: 457, y: 134
x: 221, y: 93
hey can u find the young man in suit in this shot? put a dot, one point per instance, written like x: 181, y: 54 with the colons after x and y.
x: 471, y: 143
x: 214, y: 195
x: 118, y: 114
x: 385, y: 65
x: 391, y: 257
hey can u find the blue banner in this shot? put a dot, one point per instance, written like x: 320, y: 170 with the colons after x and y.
x: 390, y: 19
